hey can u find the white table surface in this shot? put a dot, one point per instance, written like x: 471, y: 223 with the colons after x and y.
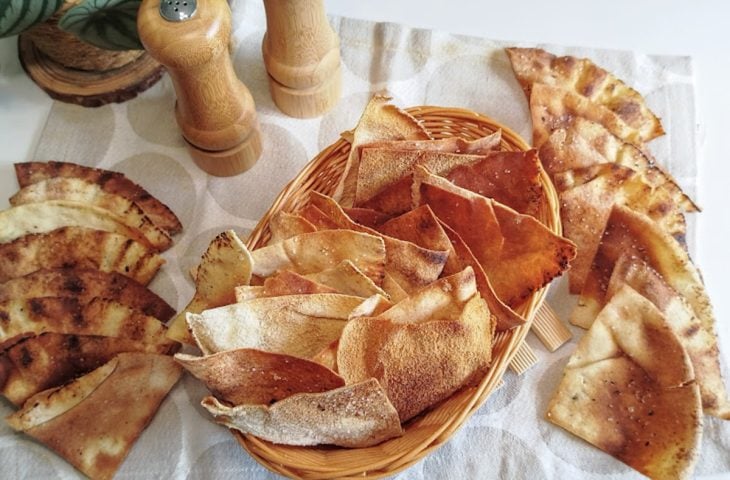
x: 700, y: 29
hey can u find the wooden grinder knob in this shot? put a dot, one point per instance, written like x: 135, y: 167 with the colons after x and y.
x: 214, y: 110
x: 302, y: 56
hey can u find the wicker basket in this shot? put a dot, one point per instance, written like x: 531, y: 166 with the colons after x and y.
x: 430, y: 430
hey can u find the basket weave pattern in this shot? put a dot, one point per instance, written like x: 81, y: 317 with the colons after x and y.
x: 428, y: 431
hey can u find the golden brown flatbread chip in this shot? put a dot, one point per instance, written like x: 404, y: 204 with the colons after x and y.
x: 285, y: 225
x: 78, y: 247
x: 317, y: 251
x: 347, y: 279
x: 85, y: 284
x: 352, y: 416
x: 225, y: 264
x: 418, y: 364
x: 366, y: 217
x: 112, y: 182
x: 582, y: 76
x: 249, y: 376
x: 477, y: 146
x: 51, y: 359
x: 298, y: 325
x: 380, y: 121
x: 629, y: 390
x: 81, y: 420
x: 700, y: 343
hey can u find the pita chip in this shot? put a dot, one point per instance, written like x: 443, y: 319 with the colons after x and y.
x: 79, y: 247
x: 130, y: 386
x: 380, y: 121
x: 366, y: 217
x: 224, y: 265
x: 51, y: 359
x: 84, y: 285
x: 352, y: 416
x: 285, y: 225
x: 477, y: 146
x: 347, y: 279
x: 297, y: 325
x: 629, y: 390
x: 582, y: 76
x: 249, y: 376
x: 111, y: 182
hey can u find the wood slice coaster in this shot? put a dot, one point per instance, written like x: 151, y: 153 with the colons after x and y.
x: 88, y: 88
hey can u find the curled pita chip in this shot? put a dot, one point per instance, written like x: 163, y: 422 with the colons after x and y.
x: 77, y: 247
x: 111, y: 182
x: 225, y: 264
x: 314, y: 252
x: 629, y: 390
x: 366, y: 217
x: 552, y: 108
x: 248, y: 376
x: 285, y: 225
x: 44, y: 217
x: 477, y: 146
x: 347, y: 279
x: 84, y: 285
x: 74, y: 190
x: 52, y: 359
x: 298, y: 325
x: 418, y: 364
x: 582, y: 76
x: 23, y: 317
x: 700, y: 343
x: 353, y: 416
x: 380, y: 121
x: 131, y: 387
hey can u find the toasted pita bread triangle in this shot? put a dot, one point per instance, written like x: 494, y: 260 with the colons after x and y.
x: 317, y: 251
x: 78, y: 247
x: 700, y: 343
x: 582, y: 76
x: 84, y: 285
x: 65, y: 315
x: 552, y: 108
x: 380, y: 121
x: 629, y: 390
x: 51, y: 359
x: 44, y: 217
x: 81, y: 420
x: 353, y: 416
x: 298, y: 325
x: 347, y: 279
x: 224, y: 265
x: 418, y: 364
x: 366, y: 217
x: 409, y: 265
x: 111, y: 182
x: 285, y: 225
x: 477, y: 146
x: 77, y: 191
x: 281, y: 283
x: 249, y: 376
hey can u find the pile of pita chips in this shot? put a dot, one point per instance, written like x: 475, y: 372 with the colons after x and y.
x: 79, y: 326
x: 626, y: 216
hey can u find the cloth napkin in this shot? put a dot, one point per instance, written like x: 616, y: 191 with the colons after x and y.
x: 508, y: 437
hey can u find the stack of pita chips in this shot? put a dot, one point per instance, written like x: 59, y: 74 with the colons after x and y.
x: 626, y: 216
x: 362, y: 313
x: 83, y: 341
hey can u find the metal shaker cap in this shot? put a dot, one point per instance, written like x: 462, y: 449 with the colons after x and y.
x: 177, y: 10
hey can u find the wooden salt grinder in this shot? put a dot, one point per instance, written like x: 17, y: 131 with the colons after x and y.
x: 302, y: 56
x: 214, y: 110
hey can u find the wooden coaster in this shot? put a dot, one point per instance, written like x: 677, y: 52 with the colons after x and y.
x: 88, y: 88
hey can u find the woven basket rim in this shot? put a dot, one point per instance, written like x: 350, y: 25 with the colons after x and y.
x: 322, y: 462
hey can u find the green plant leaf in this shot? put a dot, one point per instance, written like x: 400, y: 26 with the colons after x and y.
x: 18, y: 15
x: 109, y: 24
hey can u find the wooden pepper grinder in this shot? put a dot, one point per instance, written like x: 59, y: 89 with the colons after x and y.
x: 214, y: 110
x: 302, y: 56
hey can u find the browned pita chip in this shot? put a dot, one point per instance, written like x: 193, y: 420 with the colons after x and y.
x: 380, y: 121
x: 700, y: 343
x: 225, y: 264
x: 418, y: 364
x: 328, y: 356
x: 77, y: 247
x: 366, y: 217
x: 478, y: 146
x: 289, y: 283
x: 285, y: 225
x: 552, y: 108
x: 81, y: 420
x: 319, y: 219
x: 112, y: 182
x: 249, y: 376
x: 582, y: 76
x: 347, y: 279
x: 84, y: 285
x: 353, y: 416
x: 629, y: 390
x: 52, y: 359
